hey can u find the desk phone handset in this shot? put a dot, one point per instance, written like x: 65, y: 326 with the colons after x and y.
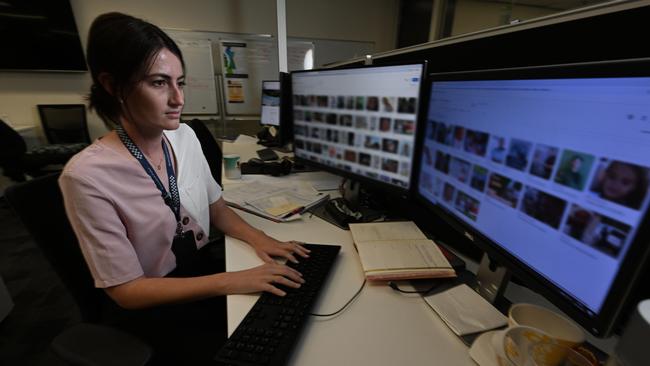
x: 339, y: 211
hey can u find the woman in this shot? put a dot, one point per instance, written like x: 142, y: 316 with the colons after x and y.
x: 141, y: 198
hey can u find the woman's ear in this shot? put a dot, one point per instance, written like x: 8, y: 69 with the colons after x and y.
x: 106, y: 80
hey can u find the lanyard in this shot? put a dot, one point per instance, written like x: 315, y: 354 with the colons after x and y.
x: 172, y: 199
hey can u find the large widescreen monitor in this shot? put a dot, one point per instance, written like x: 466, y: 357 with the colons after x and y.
x: 547, y: 169
x: 359, y: 122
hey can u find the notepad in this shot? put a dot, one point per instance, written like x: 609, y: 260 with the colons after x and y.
x: 398, y: 251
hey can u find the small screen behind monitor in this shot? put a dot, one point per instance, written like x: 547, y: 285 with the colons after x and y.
x: 359, y: 121
x: 270, y: 103
x: 553, y: 171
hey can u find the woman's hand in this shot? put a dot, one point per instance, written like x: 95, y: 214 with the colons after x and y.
x: 266, y: 247
x: 226, y: 220
x: 263, y: 278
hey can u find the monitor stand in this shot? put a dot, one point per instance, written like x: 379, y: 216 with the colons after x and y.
x: 491, y: 280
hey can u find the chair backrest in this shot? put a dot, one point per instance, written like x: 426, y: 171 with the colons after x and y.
x: 39, y: 204
x: 64, y: 123
x: 210, y: 147
x: 12, y: 151
x: 11, y: 143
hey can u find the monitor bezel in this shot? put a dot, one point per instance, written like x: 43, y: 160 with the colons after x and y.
x: 419, y: 124
x: 636, y: 261
x: 262, y: 102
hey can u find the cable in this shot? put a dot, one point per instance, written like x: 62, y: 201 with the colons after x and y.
x: 346, y: 304
x: 393, y: 285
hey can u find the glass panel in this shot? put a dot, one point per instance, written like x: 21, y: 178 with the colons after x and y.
x: 465, y: 16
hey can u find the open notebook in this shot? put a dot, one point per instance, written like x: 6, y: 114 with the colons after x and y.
x: 398, y: 251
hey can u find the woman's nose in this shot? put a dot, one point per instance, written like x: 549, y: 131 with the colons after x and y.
x: 176, y: 97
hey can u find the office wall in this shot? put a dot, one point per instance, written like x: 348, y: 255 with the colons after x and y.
x: 358, y: 20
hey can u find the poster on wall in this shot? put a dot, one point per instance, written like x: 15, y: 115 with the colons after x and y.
x: 244, y: 65
x: 235, y: 90
x: 235, y: 70
x: 234, y: 59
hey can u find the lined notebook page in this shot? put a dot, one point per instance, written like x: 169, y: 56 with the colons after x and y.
x: 402, y: 254
x: 401, y: 230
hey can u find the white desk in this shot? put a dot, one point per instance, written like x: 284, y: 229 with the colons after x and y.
x: 381, y: 327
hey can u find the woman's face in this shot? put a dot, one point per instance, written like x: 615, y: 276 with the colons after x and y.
x: 619, y: 181
x: 157, y: 100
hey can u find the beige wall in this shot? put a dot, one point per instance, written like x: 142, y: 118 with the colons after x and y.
x: 475, y: 15
x: 358, y: 20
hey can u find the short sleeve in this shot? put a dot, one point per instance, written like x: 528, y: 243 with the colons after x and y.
x: 102, y: 235
x: 212, y: 187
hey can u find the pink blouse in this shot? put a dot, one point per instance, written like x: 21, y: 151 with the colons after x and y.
x: 124, y: 228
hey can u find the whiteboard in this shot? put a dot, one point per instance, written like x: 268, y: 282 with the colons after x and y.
x: 200, y: 89
x: 262, y: 65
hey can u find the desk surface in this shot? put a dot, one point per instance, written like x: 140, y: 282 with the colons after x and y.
x: 381, y: 327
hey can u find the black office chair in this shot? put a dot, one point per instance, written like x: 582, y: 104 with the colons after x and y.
x: 12, y: 150
x: 16, y: 160
x: 64, y: 123
x: 39, y: 204
x: 211, y: 149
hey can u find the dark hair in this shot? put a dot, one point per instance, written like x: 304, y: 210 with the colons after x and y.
x: 123, y: 47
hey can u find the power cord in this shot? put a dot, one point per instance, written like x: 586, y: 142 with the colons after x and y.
x: 346, y: 304
x: 394, y: 286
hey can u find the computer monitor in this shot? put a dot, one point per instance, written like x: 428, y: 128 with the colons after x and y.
x: 359, y: 122
x: 276, y: 113
x: 547, y: 170
x: 270, y: 115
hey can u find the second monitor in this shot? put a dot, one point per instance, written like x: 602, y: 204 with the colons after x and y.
x: 359, y: 122
x: 270, y: 103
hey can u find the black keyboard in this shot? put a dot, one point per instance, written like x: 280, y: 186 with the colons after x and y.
x: 270, y: 330
x: 267, y: 154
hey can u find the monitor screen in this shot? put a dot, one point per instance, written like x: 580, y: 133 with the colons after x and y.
x: 358, y: 121
x: 39, y: 35
x: 270, y: 103
x: 549, y: 167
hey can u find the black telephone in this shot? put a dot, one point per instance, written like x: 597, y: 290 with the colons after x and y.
x: 339, y: 211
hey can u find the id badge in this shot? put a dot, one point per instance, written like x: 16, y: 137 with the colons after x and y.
x: 184, y: 248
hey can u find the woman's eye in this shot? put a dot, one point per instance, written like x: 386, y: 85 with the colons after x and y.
x: 181, y: 84
x: 160, y: 82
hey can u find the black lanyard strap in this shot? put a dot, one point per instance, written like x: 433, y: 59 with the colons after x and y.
x: 172, y: 199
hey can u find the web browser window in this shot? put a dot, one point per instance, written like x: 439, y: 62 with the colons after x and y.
x: 556, y: 172
x: 360, y: 120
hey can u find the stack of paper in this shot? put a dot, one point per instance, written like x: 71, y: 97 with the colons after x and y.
x: 465, y: 311
x: 276, y: 202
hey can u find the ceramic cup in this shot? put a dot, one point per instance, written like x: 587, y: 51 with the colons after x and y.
x: 231, y: 166
x: 512, y: 344
x: 563, y: 330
